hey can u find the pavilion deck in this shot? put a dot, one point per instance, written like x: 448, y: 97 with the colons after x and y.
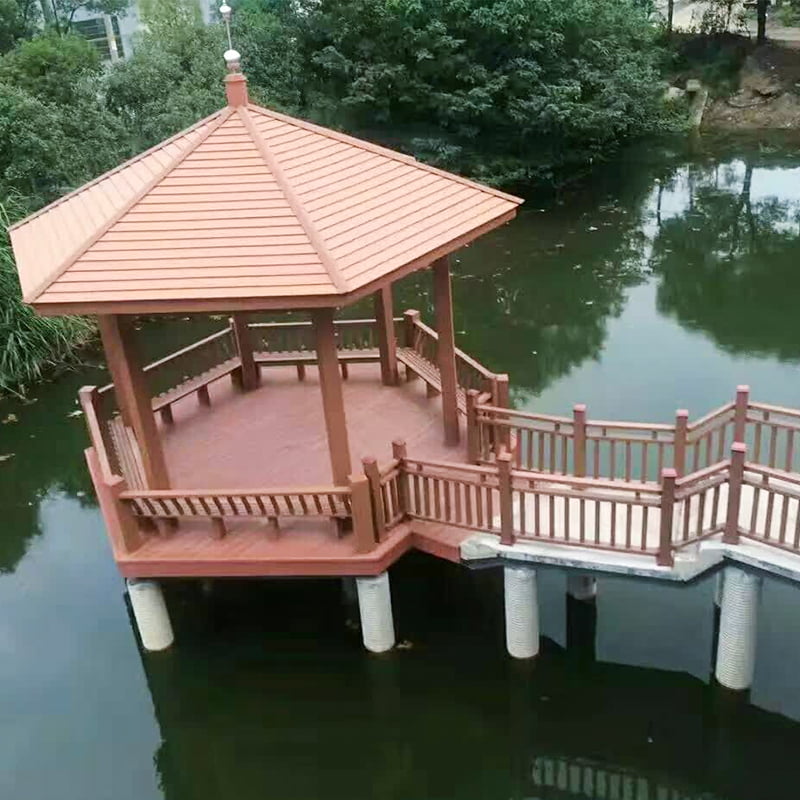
x: 275, y: 435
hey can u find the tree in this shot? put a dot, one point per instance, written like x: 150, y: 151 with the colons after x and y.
x: 17, y: 19
x: 173, y: 79
x: 512, y: 91
x: 50, y: 67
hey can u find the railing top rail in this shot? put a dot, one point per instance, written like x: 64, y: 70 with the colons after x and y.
x: 188, y: 349
x: 781, y: 410
x: 477, y: 366
x: 633, y: 487
x: 167, y: 494
x: 510, y: 412
x: 469, y: 469
x: 616, y: 425
x: 710, y: 417
x: 304, y: 323
x: 771, y: 472
x: 95, y: 433
x: 703, y: 474
x: 418, y: 323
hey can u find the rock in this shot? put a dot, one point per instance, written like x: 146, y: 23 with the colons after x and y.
x: 693, y: 85
x: 673, y: 94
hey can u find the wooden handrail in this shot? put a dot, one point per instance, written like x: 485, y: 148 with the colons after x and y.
x: 171, y: 494
x: 88, y: 398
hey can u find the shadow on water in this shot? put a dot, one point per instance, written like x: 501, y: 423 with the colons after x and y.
x: 269, y: 695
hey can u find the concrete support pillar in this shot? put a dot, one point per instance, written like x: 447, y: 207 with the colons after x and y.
x: 522, y: 612
x: 150, y: 612
x: 581, y: 586
x: 736, y: 648
x: 375, y: 609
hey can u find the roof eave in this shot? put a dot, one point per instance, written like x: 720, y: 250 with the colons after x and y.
x: 255, y: 304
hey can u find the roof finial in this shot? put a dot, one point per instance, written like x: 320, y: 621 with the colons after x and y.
x: 235, y: 82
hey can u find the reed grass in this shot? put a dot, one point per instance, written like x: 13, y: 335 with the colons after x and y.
x: 31, y: 347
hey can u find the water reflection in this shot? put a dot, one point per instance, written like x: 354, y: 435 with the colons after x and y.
x: 726, y: 250
x: 47, y: 444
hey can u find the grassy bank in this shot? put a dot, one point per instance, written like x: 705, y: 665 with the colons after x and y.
x: 31, y: 346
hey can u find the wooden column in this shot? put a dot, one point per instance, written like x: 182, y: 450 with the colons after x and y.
x: 443, y: 301
x: 330, y: 381
x: 130, y: 386
x: 244, y: 347
x: 387, y: 346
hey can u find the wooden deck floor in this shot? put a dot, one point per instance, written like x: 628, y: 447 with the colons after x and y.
x: 274, y: 436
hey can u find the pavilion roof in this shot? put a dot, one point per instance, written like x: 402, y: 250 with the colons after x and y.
x: 248, y: 208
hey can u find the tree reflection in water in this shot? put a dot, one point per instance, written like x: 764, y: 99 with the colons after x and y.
x: 728, y: 261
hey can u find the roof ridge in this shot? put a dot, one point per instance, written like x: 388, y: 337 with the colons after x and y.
x: 385, y: 151
x: 221, y: 117
x: 296, y: 204
x: 116, y: 169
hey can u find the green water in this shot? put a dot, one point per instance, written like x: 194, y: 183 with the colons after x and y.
x: 662, y: 283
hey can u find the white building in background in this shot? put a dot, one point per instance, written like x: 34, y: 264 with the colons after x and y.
x: 113, y: 35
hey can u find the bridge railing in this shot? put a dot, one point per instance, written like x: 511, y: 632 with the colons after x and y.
x: 635, y: 451
x: 730, y: 498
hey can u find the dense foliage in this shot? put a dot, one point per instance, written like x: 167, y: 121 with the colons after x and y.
x: 510, y: 91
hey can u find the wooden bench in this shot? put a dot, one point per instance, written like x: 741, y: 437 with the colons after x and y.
x: 429, y: 372
x: 170, y: 506
x: 127, y: 453
x: 303, y: 358
x: 199, y: 385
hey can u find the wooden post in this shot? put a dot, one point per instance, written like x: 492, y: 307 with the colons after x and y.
x: 664, y: 557
x: 400, y: 453
x: 410, y: 318
x: 506, y: 498
x: 735, y: 478
x: 387, y: 346
x: 443, y: 306
x: 473, y: 428
x: 579, y: 431
x: 361, y: 505
x: 121, y: 517
x: 502, y: 394
x: 740, y: 413
x: 373, y: 475
x: 244, y: 347
x: 130, y: 387
x: 679, y: 446
x: 332, y: 397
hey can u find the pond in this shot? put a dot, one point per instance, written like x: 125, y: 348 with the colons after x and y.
x: 671, y: 276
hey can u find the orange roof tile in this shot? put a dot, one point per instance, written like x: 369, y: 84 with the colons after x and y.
x: 248, y: 208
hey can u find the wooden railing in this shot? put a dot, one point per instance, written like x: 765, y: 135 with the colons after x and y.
x: 634, y: 451
x: 470, y: 374
x: 298, y: 337
x: 730, y: 497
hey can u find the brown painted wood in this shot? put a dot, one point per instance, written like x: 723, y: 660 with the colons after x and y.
x: 244, y: 347
x: 473, y: 429
x: 332, y: 398
x: 665, y: 556
x: 443, y: 303
x: 681, y: 425
x: 579, y: 434
x: 373, y: 475
x: 740, y: 412
x: 506, y: 499
x: 736, y: 476
x: 387, y: 344
x: 363, y: 514
x: 130, y: 386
